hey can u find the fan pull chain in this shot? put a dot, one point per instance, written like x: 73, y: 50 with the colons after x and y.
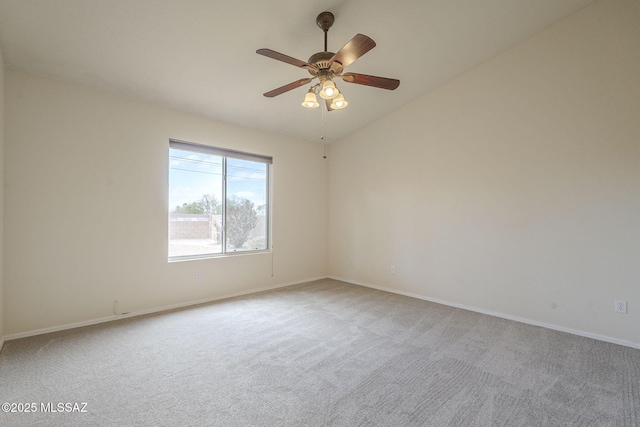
x: 324, y: 143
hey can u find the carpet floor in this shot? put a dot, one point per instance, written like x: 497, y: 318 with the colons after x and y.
x: 325, y: 353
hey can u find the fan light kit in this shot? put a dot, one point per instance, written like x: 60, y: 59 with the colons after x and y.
x: 327, y: 66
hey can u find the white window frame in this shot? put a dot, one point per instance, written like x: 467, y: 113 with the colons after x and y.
x: 234, y: 154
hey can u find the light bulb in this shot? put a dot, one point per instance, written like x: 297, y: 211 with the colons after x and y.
x: 310, y: 100
x: 329, y: 90
x: 339, y: 102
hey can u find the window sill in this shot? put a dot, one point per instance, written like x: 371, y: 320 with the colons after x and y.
x: 214, y: 256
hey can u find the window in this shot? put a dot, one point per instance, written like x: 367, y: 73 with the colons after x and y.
x: 218, y: 201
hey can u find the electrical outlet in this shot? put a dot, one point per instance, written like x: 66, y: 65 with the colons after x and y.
x: 393, y: 269
x: 620, y: 306
x: 198, y: 277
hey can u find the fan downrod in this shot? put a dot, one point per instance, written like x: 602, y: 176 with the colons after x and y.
x: 325, y: 21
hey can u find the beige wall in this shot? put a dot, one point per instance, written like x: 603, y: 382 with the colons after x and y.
x: 76, y: 157
x: 1, y: 199
x: 512, y: 189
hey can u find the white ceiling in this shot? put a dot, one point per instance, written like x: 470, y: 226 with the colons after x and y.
x: 199, y: 55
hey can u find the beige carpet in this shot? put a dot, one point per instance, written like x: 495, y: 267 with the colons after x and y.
x: 322, y: 353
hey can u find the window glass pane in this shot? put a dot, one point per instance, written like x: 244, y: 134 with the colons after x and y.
x: 195, y: 203
x: 246, y: 205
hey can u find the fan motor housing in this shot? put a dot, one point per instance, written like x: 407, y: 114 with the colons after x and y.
x: 321, y: 60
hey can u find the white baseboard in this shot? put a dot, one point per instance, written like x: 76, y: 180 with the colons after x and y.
x: 150, y: 311
x: 498, y: 314
x: 112, y: 318
x: 1, y: 343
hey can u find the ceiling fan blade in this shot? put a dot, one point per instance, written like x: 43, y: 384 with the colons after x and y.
x: 354, y: 49
x: 287, y: 88
x: 374, y: 81
x: 328, y: 104
x: 284, y: 58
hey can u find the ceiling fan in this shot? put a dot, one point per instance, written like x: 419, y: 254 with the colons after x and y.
x: 327, y: 66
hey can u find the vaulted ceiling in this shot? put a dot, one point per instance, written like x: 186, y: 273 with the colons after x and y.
x: 199, y: 56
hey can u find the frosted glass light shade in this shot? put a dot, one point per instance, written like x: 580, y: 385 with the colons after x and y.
x: 339, y: 102
x: 329, y: 90
x: 310, y: 100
